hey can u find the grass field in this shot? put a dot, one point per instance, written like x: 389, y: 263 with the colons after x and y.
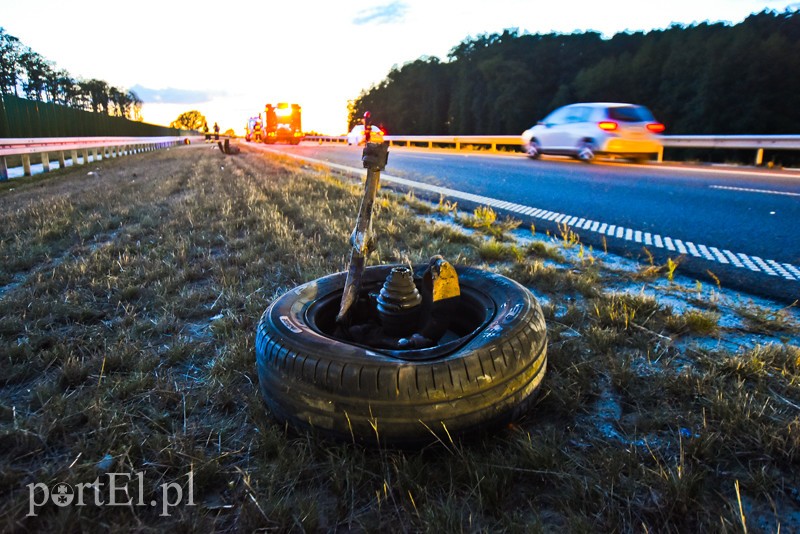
x: 129, y: 294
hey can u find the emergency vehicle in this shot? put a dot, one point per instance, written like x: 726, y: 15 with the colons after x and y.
x: 283, y: 123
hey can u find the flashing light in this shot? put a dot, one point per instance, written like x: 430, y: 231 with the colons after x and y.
x: 608, y: 126
x: 656, y: 127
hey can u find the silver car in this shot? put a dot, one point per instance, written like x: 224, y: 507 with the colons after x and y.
x: 595, y: 129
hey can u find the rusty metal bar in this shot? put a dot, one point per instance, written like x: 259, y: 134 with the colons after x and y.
x: 360, y: 241
x: 374, y: 157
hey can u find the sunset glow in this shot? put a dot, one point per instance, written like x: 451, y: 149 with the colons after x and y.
x: 228, y: 61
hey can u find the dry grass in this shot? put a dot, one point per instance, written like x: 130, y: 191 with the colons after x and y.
x: 127, y: 318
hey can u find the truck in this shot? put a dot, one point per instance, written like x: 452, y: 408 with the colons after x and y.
x: 283, y: 123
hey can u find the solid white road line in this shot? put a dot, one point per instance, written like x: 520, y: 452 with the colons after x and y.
x: 786, y: 271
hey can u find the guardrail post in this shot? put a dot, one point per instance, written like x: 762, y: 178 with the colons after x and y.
x: 62, y: 161
x: 74, y: 154
x: 3, y: 169
x: 26, y: 165
x: 46, y: 161
x: 660, y: 157
x: 85, y: 156
x: 759, y: 157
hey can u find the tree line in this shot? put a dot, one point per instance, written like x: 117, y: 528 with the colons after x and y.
x: 700, y: 79
x: 25, y: 73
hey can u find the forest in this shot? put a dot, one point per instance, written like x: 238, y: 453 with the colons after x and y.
x: 699, y: 79
x: 27, y: 74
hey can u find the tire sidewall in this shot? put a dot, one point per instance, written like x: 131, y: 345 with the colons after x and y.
x: 346, y: 390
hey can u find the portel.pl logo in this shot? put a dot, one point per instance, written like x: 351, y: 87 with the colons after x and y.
x: 121, y: 489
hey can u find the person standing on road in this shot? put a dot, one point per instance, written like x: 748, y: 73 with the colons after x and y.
x: 216, y: 132
x: 205, y: 131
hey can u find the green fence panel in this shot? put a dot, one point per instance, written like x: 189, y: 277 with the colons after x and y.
x: 21, y: 118
x: 3, y: 119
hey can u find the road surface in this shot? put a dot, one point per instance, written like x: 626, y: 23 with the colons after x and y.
x: 741, y: 224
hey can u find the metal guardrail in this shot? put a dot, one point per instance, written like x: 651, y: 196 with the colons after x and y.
x: 432, y: 141
x: 101, y: 148
x: 759, y: 143
x: 118, y: 146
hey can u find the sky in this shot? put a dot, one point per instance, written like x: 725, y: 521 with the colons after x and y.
x: 228, y: 59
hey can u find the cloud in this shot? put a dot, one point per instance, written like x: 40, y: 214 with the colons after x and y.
x: 173, y: 96
x: 385, y: 14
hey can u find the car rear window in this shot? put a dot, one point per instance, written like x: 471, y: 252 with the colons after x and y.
x: 630, y: 114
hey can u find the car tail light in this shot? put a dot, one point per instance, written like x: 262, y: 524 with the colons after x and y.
x: 655, y: 127
x: 608, y: 126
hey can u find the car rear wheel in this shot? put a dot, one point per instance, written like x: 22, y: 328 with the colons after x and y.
x: 586, y: 152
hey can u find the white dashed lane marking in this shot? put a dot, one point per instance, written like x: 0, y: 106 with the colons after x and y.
x: 698, y: 250
x: 769, y: 267
x: 749, y: 190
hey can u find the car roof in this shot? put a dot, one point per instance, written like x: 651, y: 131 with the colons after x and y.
x: 604, y: 104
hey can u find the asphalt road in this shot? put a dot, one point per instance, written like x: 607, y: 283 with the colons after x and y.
x: 742, y: 224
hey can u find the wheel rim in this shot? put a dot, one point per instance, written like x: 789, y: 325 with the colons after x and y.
x: 533, y: 150
x: 477, y: 311
x: 586, y: 153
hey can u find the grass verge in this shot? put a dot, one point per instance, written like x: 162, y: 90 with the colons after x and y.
x: 128, y: 305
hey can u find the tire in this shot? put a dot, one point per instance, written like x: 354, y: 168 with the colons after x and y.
x: 586, y: 152
x: 533, y: 150
x: 485, y: 378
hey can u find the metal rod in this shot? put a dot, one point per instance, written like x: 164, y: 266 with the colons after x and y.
x: 374, y: 157
x: 360, y: 241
